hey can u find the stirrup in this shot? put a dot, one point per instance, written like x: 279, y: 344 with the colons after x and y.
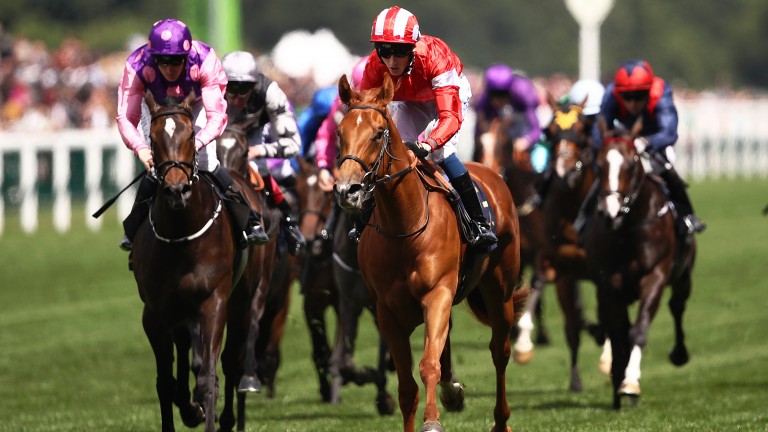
x: 126, y: 244
x: 693, y: 224
x: 256, y: 236
x: 354, y: 235
x: 485, y: 238
x: 296, y: 241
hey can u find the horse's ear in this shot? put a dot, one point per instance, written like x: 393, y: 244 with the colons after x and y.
x: 189, y: 100
x: 345, y: 90
x: 387, y: 90
x: 150, y: 100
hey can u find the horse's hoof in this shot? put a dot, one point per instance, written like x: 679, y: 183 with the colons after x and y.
x: 522, y: 358
x: 542, y: 339
x: 385, y: 404
x: 452, y: 396
x: 629, y: 389
x: 249, y: 384
x: 632, y: 399
x: 506, y: 429
x: 604, y: 366
x: 679, y: 356
x: 431, y: 426
x: 193, y: 417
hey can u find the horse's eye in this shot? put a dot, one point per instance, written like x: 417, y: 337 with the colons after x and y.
x: 379, y: 134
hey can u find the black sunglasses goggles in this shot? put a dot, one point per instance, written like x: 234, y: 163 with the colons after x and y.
x: 239, y: 87
x: 634, y: 95
x: 169, y: 60
x: 386, y: 50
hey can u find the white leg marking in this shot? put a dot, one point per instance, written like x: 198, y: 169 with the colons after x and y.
x: 524, y: 343
x: 632, y: 373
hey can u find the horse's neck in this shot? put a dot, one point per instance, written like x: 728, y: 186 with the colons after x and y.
x: 401, y: 204
x: 182, y: 222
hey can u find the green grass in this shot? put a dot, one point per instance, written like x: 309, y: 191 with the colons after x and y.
x: 73, y: 355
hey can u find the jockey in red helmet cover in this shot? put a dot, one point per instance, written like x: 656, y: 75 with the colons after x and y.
x: 636, y: 92
x: 431, y: 98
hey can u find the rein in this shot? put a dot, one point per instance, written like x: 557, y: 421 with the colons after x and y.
x: 199, y: 233
x: 370, y: 178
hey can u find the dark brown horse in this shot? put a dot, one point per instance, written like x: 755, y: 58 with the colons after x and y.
x: 412, y: 254
x: 184, y: 262
x: 331, y: 279
x: 521, y: 179
x: 260, y: 301
x: 571, y: 177
x: 635, y: 251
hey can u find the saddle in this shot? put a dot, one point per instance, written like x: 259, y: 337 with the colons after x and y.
x: 471, y: 266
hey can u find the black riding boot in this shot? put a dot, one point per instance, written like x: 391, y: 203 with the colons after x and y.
x: 296, y: 240
x: 679, y: 196
x: 138, y: 212
x: 359, y: 221
x: 586, y: 209
x: 466, y: 189
x: 247, y: 219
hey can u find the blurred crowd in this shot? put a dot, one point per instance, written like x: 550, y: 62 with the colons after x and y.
x: 44, y: 89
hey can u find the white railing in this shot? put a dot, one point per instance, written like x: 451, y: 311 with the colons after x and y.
x: 719, y: 138
x: 61, y: 143
x: 722, y: 137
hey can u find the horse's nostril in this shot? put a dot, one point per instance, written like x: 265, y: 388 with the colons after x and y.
x: 355, y: 188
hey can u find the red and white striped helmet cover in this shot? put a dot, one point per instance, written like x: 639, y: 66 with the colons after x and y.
x: 395, y: 25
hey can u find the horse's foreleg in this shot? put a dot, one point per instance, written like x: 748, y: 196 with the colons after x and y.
x: 384, y: 402
x: 437, y: 314
x: 184, y: 336
x: 651, y: 289
x: 249, y: 381
x: 501, y: 316
x: 570, y: 303
x: 451, y: 390
x: 213, y: 317
x: 681, y: 290
x: 398, y: 341
x: 162, y: 346
x: 315, y: 303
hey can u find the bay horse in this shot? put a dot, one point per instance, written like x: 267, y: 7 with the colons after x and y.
x: 411, y: 255
x: 184, y: 262
x: 330, y: 279
x: 521, y: 179
x: 635, y: 250
x: 259, y: 304
x: 571, y: 178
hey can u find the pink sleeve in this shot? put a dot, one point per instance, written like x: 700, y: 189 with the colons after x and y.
x: 129, y: 96
x: 325, y: 141
x: 213, y: 83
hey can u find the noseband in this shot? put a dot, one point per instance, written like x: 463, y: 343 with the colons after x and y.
x: 370, y: 178
x: 162, y: 169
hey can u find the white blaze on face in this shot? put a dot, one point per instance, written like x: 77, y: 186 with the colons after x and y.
x: 359, y: 119
x: 227, y: 143
x: 170, y: 127
x: 560, y: 164
x: 615, y: 160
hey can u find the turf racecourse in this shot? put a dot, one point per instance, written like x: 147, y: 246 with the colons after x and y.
x: 73, y: 355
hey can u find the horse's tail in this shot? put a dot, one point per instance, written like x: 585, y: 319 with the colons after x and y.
x: 479, y: 310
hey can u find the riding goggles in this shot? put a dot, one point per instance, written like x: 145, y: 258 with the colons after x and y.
x: 169, y: 60
x: 386, y: 50
x: 239, y: 87
x: 634, y: 95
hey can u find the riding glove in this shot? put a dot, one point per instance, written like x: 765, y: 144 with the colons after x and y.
x: 420, y: 149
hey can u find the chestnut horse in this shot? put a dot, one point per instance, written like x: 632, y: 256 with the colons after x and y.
x: 184, y: 260
x: 411, y: 255
x: 518, y: 173
x: 259, y: 305
x: 635, y: 251
x: 571, y: 177
x: 330, y: 279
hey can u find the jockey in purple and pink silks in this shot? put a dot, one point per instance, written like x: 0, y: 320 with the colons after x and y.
x: 431, y: 99
x: 172, y: 65
x: 513, y: 97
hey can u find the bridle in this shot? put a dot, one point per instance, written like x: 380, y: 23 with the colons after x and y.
x: 371, y: 178
x: 635, y: 183
x: 162, y: 169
